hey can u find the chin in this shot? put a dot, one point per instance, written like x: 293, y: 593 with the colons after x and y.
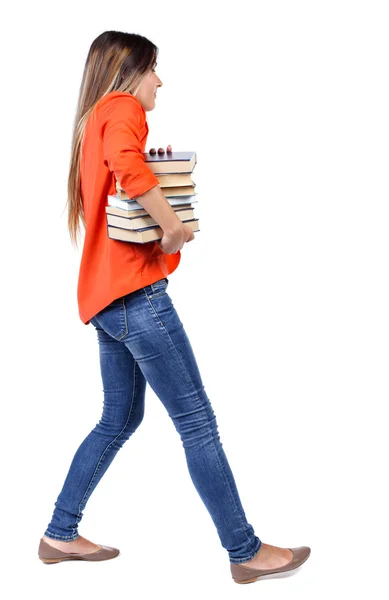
x: 151, y: 106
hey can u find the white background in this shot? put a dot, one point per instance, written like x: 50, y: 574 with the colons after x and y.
x: 283, y: 293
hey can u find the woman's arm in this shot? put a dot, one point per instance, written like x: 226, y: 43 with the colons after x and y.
x: 175, y: 232
x: 120, y: 120
x: 154, y: 201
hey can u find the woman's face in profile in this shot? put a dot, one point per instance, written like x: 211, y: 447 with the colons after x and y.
x: 146, y: 93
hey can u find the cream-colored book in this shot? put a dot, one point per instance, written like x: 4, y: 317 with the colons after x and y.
x: 143, y: 236
x: 135, y: 223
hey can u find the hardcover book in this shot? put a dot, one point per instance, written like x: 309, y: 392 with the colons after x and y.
x: 142, y: 222
x: 133, y: 204
x: 171, y: 162
x: 147, y: 234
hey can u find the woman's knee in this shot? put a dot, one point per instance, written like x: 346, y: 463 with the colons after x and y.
x: 115, y: 426
x: 197, y: 427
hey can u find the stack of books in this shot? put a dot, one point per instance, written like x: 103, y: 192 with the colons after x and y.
x: 128, y: 221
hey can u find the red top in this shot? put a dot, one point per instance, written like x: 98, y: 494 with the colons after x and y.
x: 115, y: 138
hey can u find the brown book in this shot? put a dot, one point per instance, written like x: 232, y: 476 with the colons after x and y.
x: 142, y: 236
x: 171, y: 183
x: 174, y: 179
x: 179, y: 190
x: 135, y: 223
x: 171, y: 191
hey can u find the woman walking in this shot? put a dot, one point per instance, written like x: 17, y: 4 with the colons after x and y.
x: 122, y: 291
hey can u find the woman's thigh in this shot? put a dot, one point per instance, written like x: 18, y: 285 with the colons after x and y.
x: 147, y: 324
x: 124, y: 386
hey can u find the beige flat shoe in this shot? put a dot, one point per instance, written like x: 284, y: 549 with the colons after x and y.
x: 245, y: 574
x: 48, y: 554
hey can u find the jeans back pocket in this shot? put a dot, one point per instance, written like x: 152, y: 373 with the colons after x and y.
x: 113, y: 318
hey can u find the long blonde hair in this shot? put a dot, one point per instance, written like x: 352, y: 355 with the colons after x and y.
x: 116, y: 61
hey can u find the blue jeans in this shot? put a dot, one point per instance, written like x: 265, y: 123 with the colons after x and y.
x: 141, y: 339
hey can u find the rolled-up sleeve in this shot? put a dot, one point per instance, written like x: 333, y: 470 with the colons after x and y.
x: 120, y: 121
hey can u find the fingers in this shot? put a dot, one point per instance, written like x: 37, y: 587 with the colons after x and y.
x: 161, y: 150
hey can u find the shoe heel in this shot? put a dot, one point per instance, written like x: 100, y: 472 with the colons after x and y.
x: 50, y: 560
x: 246, y: 580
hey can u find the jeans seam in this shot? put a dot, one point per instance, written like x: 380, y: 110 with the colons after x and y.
x: 213, y: 441
x: 125, y: 318
x: 107, y: 448
x: 153, y: 308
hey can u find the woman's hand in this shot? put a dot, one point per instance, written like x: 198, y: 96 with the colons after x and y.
x: 172, y: 241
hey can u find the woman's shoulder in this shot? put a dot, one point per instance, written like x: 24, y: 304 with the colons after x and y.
x: 119, y: 101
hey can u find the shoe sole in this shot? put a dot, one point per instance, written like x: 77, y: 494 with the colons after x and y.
x: 56, y: 560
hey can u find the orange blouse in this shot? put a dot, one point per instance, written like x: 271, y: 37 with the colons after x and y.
x: 114, y: 140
